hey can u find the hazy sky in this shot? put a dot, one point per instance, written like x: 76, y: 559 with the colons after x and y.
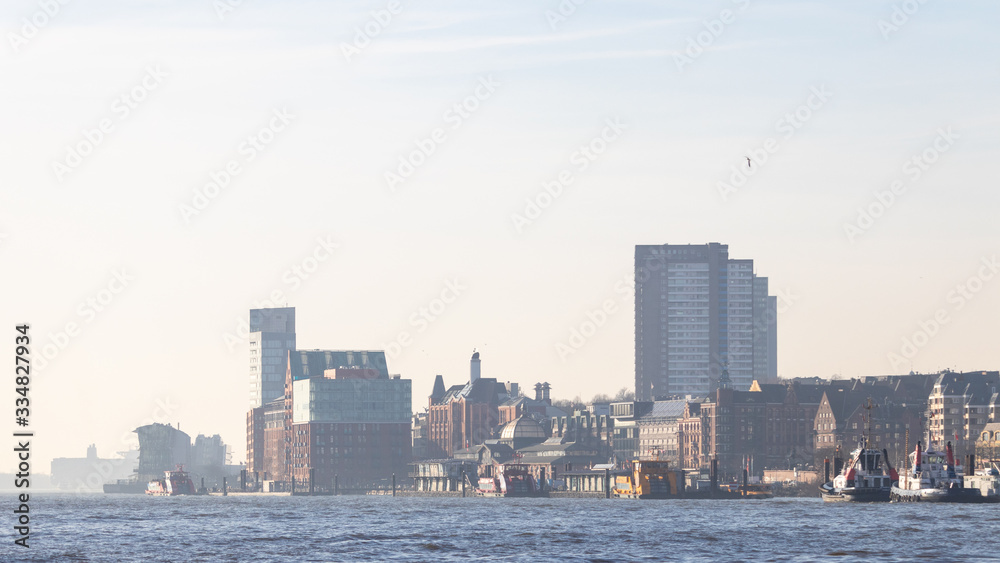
x: 637, y: 115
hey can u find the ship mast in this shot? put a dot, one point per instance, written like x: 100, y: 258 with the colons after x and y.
x: 906, y: 452
x: 868, y: 433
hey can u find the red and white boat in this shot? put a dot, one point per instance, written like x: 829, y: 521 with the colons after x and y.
x: 934, y: 476
x: 511, y: 480
x: 176, y: 482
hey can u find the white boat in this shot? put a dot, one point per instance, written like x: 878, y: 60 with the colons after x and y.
x: 933, y: 476
x: 986, y: 480
x: 866, y: 477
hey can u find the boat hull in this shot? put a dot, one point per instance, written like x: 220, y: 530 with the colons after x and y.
x: 953, y: 495
x: 869, y: 495
x: 528, y: 494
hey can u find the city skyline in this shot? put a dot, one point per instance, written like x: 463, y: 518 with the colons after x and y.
x: 469, y: 178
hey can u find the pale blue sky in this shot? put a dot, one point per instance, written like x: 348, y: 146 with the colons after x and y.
x: 164, y: 335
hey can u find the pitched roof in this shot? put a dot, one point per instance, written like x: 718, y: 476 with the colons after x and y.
x: 482, y: 390
x: 665, y: 409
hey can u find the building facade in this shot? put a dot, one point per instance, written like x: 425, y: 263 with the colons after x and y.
x: 348, y: 418
x: 341, y: 414
x: 959, y: 407
x: 659, y: 431
x: 463, y: 415
x: 272, y: 335
x: 695, y: 311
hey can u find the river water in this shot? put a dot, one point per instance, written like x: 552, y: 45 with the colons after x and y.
x: 354, y: 528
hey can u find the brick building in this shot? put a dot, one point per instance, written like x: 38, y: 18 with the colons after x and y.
x: 341, y: 414
x: 463, y: 415
x: 842, y: 422
x: 772, y: 423
x: 959, y: 407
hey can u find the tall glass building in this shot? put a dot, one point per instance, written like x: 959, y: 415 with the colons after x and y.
x: 272, y: 335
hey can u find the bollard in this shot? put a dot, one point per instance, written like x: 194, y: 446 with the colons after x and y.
x: 393, y: 484
x: 607, y: 483
x: 224, y: 491
x: 336, y: 486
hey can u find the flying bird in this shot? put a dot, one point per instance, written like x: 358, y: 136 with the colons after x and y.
x: 748, y: 162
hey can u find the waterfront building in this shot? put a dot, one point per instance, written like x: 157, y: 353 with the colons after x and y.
x: 444, y: 475
x: 659, y: 431
x: 272, y: 335
x: 988, y: 445
x: 419, y: 430
x: 82, y: 474
x: 540, y: 407
x: 697, y: 310
x: 209, y: 452
x: 842, y: 421
x: 958, y: 407
x: 625, y: 439
x: 346, y: 417
x: 522, y: 432
x: 692, y: 437
x: 463, y: 415
x: 341, y: 414
x: 584, y: 426
x: 489, y: 456
x: 772, y: 424
x: 161, y: 448
x: 556, y: 455
x: 275, y: 448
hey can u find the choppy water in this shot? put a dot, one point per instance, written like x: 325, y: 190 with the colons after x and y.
x: 137, y: 528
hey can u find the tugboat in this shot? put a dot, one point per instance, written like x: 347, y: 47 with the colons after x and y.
x: 510, y: 480
x: 867, y: 477
x: 936, y: 478
x: 176, y: 482
x: 987, y: 480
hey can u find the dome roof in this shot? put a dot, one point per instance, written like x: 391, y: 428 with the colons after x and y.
x: 522, y: 427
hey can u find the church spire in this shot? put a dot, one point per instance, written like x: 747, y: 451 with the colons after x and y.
x: 724, y: 381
